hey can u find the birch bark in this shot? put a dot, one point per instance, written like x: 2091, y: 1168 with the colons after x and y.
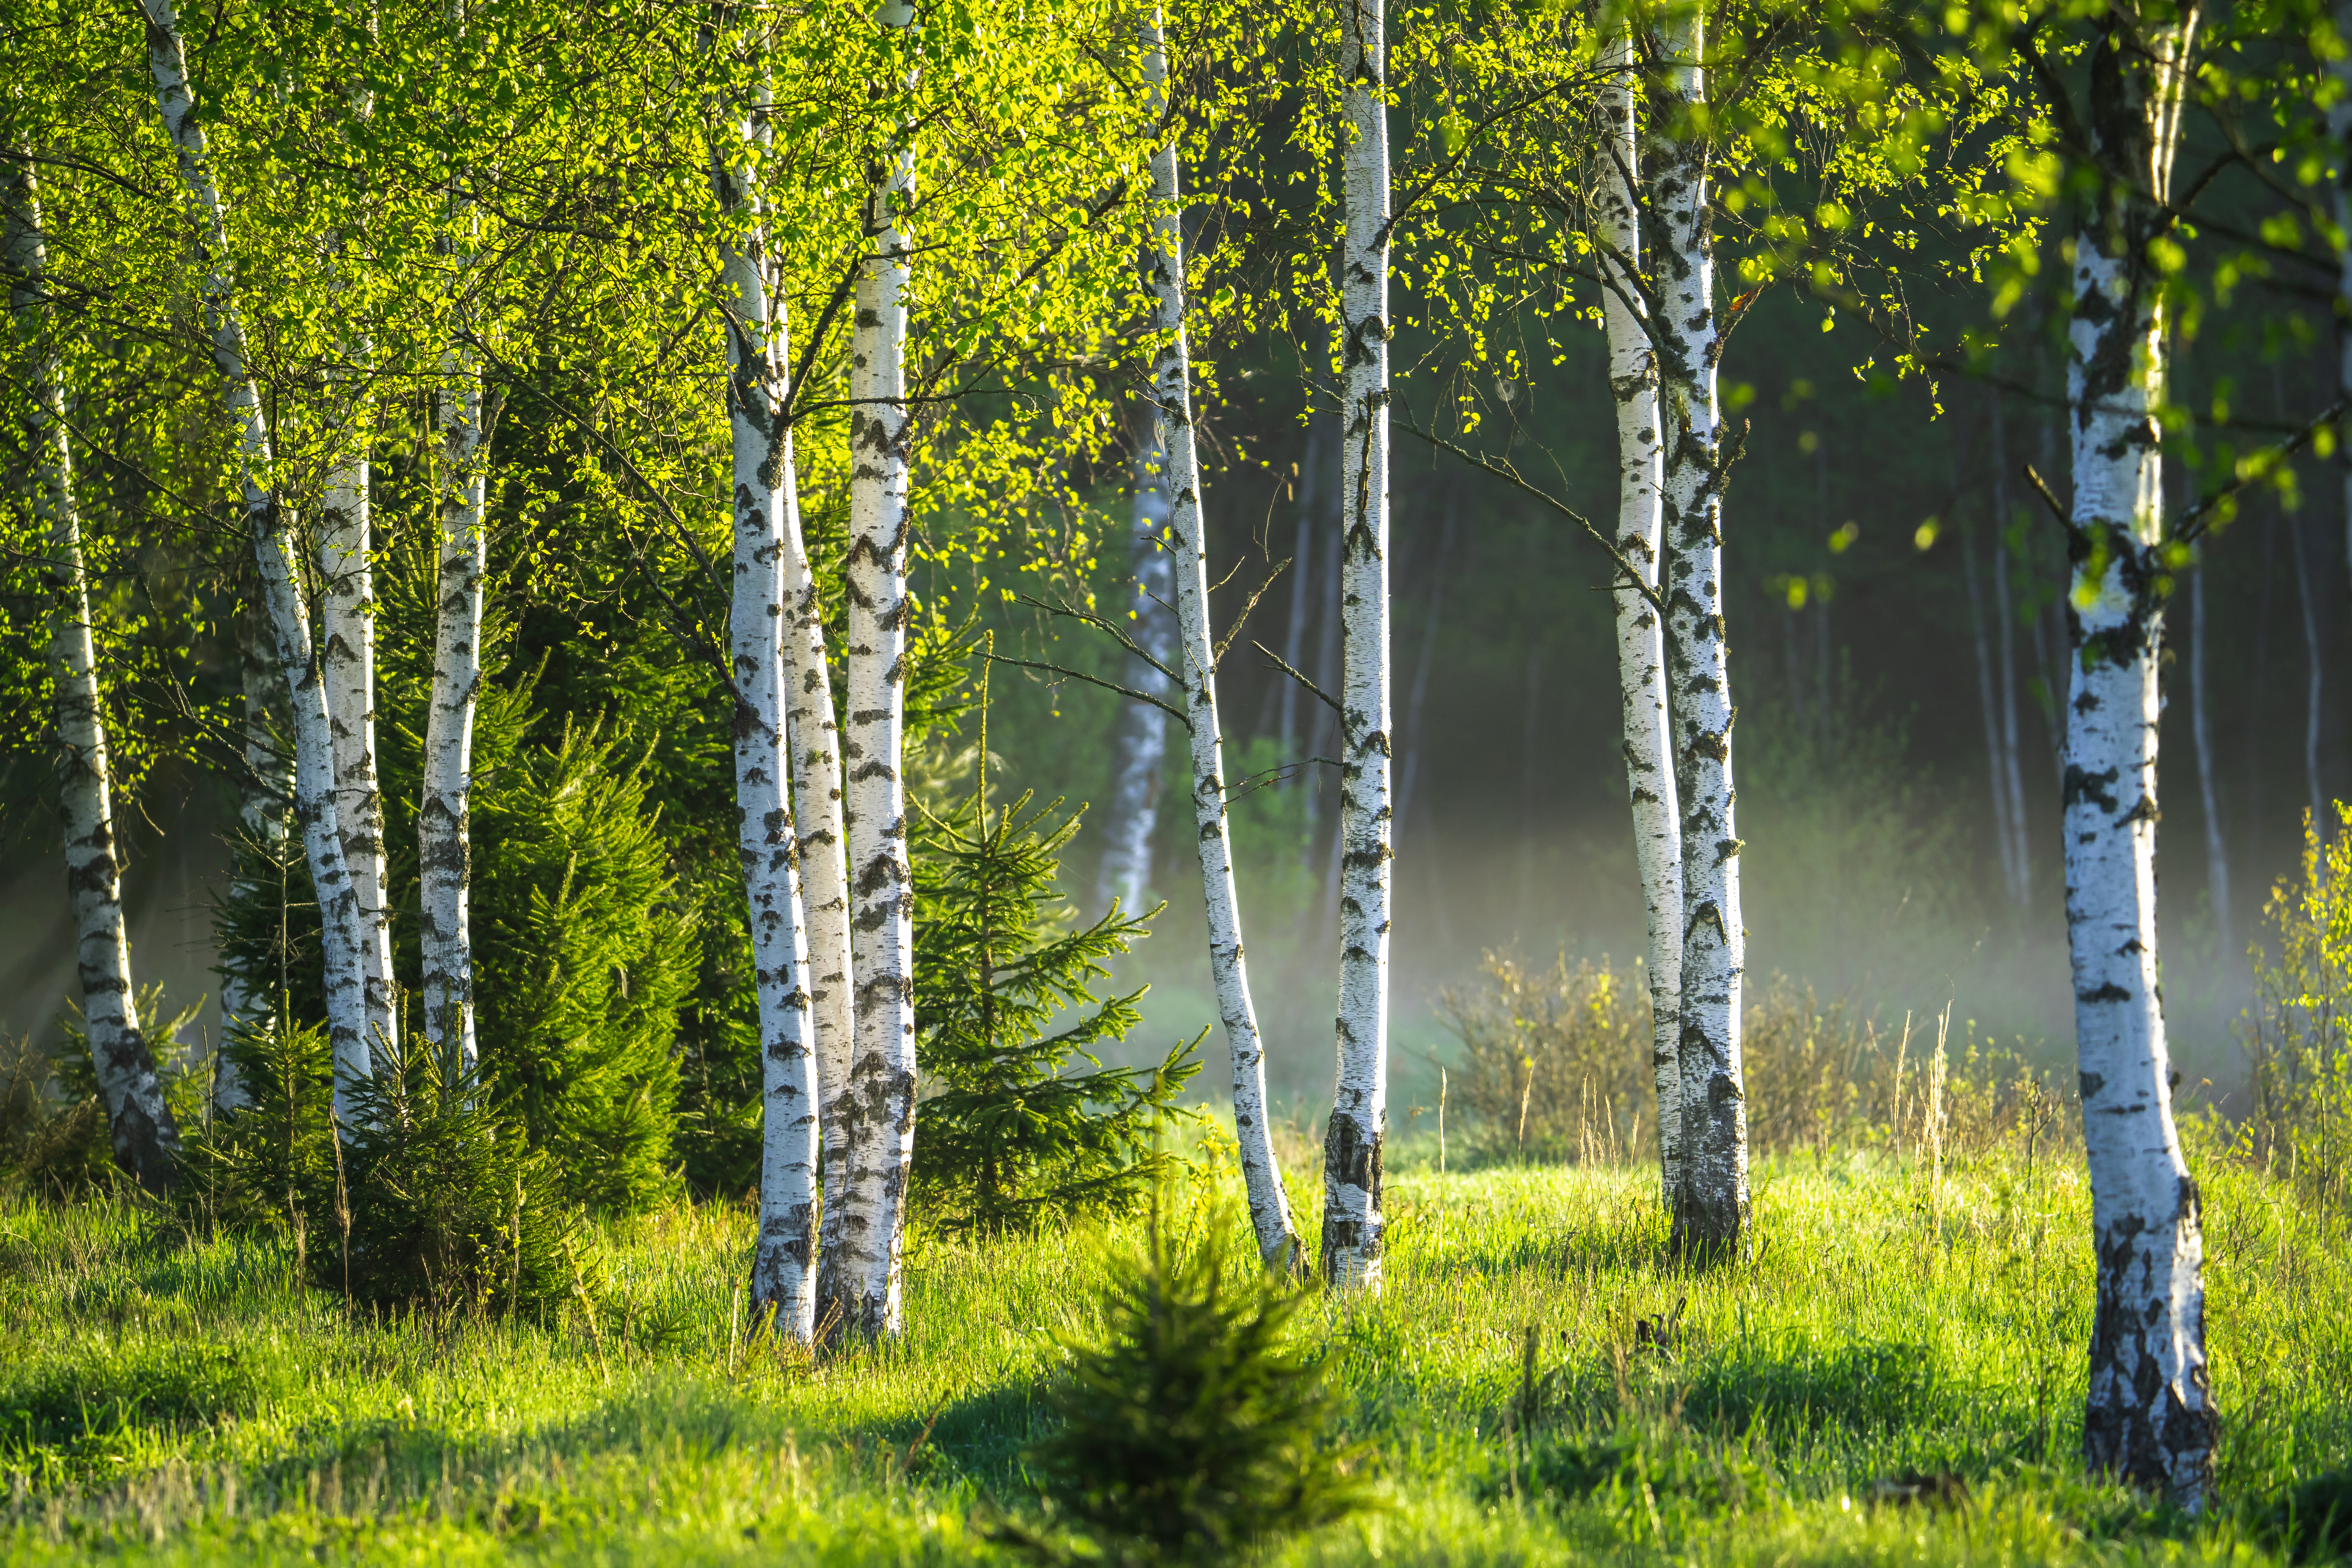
x: 1711, y: 1203
x: 444, y: 854
x: 279, y: 555
x: 145, y: 1138
x: 347, y: 632
x: 2149, y: 1416
x: 1641, y: 636
x: 759, y: 626
x: 1352, y: 1219
x: 1172, y: 399
x: 1140, y: 748
x: 877, y: 1107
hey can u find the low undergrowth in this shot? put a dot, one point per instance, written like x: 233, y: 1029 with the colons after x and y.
x: 1895, y: 1377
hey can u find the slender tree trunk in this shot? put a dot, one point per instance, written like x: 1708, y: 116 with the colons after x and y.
x: 1710, y: 1219
x: 2340, y: 126
x: 1284, y: 695
x: 445, y: 811
x: 2313, y: 668
x: 1172, y: 398
x: 1319, y: 728
x: 1991, y: 707
x: 1425, y: 663
x: 279, y: 554
x: 1352, y: 1220
x: 146, y: 1140
x: 1641, y: 635
x: 1139, y: 751
x: 2149, y: 1417
x: 2217, y: 849
x: 2005, y: 629
x: 878, y: 1106
x: 783, y: 1260
x: 265, y: 796
x: 347, y: 617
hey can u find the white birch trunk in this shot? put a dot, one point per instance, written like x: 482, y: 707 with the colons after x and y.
x: 145, y: 1138
x: 1711, y: 1203
x: 1140, y: 752
x: 1352, y: 1152
x: 1641, y: 636
x: 445, y: 808
x: 783, y: 1259
x: 1171, y: 396
x: 279, y: 555
x: 876, y: 1107
x: 2149, y: 1417
x: 2217, y: 848
x: 347, y: 618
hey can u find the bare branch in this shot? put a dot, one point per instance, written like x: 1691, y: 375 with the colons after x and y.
x: 1283, y: 665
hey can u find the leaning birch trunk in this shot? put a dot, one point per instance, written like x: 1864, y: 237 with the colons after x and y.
x: 1352, y: 1221
x: 1139, y: 751
x: 783, y: 1260
x: 1641, y: 636
x: 1711, y: 1203
x: 279, y: 555
x: 2217, y: 848
x: 1171, y: 396
x: 264, y: 793
x: 2149, y: 1417
x: 347, y: 617
x: 877, y: 1105
x: 146, y: 1140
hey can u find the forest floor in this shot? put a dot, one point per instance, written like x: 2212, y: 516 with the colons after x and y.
x: 1895, y: 1377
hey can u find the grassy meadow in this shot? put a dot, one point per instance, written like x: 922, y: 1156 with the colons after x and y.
x: 178, y: 1400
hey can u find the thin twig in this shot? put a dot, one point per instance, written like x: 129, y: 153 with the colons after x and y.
x: 1283, y: 665
x: 1095, y: 680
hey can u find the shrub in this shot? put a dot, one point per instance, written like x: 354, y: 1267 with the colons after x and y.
x: 2300, y: 1122
x: 1195, y: 1428
x: 1556, y: 1065
x: 582, y: 958
x: 1005, y: 1138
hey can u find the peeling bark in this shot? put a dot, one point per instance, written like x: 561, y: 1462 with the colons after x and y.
x: 1139, y: 749
x: 279, y: 555
x: 1710, y: 1217
x: 759, y: 626
x: 1172, y: 398
x: 145, y: 1138
x: 1641, y: 636
x: 876, y: 1106
x: 2149, y: 1417
x: 1353, y: 1224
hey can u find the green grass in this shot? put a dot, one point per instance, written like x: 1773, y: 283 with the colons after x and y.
x: 179, y: 1403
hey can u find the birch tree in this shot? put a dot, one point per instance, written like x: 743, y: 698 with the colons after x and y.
x: 876, y: 1106
x: 279, y: 555
x: 1139, y: 748
x: 1710, y: 1216
x: 444, y: 809
x: 1173, y: 435
x: 761, y: 625
x: 1352, y: 1221
x: 347, y: 636
x: 2149, y: 1417
x: 145, y: 1138
x: 1641, y: 633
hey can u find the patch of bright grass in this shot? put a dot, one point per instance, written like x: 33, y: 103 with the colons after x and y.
x: 180, y: 1404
